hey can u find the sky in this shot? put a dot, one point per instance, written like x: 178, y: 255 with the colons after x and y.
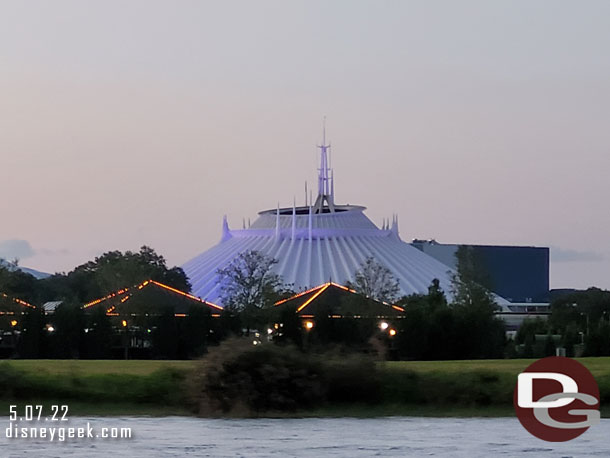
x: 125, y: 123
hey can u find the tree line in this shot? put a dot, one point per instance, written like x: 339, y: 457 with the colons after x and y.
x: 430, y: 328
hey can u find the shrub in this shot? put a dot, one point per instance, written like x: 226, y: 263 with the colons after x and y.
x: 238, y: 379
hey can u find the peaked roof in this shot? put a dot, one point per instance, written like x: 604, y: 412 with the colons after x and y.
x: 17, y: 301
x: 123, y: 295
x: 337, y: 300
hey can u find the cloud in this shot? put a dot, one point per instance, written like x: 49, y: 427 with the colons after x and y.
x: 47, y: 252
x: 20, y: 249
x: 566, y: 255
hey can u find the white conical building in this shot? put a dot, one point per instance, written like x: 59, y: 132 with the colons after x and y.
x: 318, y: 243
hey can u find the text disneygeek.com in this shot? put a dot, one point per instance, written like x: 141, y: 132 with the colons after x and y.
x: 39, y: 422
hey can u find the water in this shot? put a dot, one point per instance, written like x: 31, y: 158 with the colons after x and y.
x: 310, y: 438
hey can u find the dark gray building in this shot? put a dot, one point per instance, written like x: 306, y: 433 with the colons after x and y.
x: 519, y: 274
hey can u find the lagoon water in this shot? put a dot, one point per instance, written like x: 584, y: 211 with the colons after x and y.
x: 310, y: 438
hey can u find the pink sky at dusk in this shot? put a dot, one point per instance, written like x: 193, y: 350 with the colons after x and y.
x: 144, y: 122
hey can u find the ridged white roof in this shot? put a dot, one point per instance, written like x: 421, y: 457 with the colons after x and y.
x: 333, y: 249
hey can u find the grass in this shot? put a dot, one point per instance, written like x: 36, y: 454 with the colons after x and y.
x: 597, y: 366
x: 96, y: 367
x: 137, y: 387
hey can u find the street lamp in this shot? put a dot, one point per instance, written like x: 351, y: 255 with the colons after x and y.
x: 126, y: 350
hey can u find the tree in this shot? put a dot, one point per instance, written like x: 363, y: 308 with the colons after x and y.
x: 165, y: 335
x: 469, y: 282
x: 479, y: 332
x: 15, y: 282
x: 375, y: 281
x: 250, y: 287
x: 69, y: 322
x: 34, y: 339
x: 195, y: 330
x: 98, y: 338
x: 428, y: 329
x: 112, y: 271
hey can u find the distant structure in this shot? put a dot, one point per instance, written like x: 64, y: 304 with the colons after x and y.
x: 318, y: 243
x: 13, y: 266
x: 519, y: 274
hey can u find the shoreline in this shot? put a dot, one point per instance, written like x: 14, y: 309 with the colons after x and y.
x: 89, y: 409
x: 442, y: 389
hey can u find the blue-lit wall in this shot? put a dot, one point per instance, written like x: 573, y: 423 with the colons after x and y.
x: 517, y: 273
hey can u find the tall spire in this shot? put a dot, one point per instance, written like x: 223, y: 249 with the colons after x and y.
x: 394, y: 227
x: 294, y: 218
x: 310, y: 223
x: 277, y: 221
x: 325, y: 186
x: 226, y: 232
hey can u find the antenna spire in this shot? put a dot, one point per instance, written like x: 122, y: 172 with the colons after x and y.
x: 324, y: 130
x: 325, y: 185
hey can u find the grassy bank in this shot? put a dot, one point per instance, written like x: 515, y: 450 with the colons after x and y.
x: 427, y: 388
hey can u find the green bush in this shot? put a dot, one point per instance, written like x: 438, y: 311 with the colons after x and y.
x: 239, y: 379
x: 472, y: 388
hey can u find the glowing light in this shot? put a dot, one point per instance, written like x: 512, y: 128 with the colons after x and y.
x: 343, y: 287
x: 323, y: 287
x: 142, y: 286
x: 269, y: 331
x: 383, y: 325
x: 309, y: 325
x: 18, y: 301
x: 308, y: 301
x: 50, y: 328
x: 255, y: 342
x: 13, y: 323
x: 124, y: 323
x: 302, y: 293
x: 190, y: 296
x: 392, y: 332
x: 109, y: 296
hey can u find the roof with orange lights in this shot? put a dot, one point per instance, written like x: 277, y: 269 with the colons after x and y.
x: 17, y: 301
x: 117, y: 298
x: 337, y: 300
